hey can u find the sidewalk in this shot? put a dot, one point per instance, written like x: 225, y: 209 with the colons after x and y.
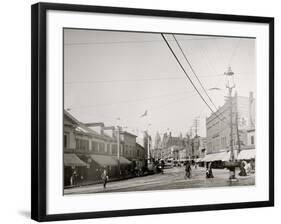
x: 94, y: 182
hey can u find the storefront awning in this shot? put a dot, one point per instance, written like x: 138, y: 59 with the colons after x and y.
x: 247, y: 154
x: 104, y: 160
x: 70, y: 159
x: 124, y: 161
x: 214, y: 157
x: 220, y: 156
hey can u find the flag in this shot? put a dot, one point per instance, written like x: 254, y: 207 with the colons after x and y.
x: 144, y: 114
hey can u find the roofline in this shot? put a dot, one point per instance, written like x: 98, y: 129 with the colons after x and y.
x: 69, y: 115
x: 125, y: 132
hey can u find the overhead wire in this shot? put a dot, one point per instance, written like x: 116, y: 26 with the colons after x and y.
x: 134, y: 41
x: 192, y: 83
x: 132, y: 80
x: 175, y: 56
x: 192, y: 69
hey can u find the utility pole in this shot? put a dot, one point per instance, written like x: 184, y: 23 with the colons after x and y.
x: 118, y: 149
x: 190, y: 132
x: 148, y: 149
x: 230, y: 85
x: 231, y: 124
x: 237, y: 125
x: 196, y: 125
x: 190, y: 144
x: 187, y: 146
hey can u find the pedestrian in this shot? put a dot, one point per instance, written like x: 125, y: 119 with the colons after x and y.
x: 74, y: 177
x: 162, y: 166
x: 243, y: 169
x: 209, y: 171
x: 187, y: 170
x: 81, y: 180
x: 248, y: 168
x: 104, y: 177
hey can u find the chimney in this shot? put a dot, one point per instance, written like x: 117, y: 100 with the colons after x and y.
x: 98, y: 127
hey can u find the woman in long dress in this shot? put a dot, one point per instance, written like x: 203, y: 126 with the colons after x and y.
x: 209, y: 171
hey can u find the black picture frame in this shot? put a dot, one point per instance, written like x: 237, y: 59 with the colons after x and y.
x: 39, y: 107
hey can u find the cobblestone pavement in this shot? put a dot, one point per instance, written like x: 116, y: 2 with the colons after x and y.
x: 171, y: 179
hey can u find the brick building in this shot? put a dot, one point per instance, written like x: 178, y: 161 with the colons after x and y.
x: 89, y: 148
x: 243, y: 120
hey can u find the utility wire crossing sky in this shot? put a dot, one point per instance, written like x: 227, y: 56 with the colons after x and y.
x: 115, y: 77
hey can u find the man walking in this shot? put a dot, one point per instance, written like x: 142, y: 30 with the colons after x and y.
x: 187, y: 170
x: 104, y: 177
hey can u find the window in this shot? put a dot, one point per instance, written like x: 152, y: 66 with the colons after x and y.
x: 101, y: 147
x: 65, y: 141
x: 114, y: 149
x: 94, y: 146
x: 126, y: 150
x: 252, y: 140
x: 82, y: 144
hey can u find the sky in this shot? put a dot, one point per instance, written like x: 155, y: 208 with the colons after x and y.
x: 114, y: 77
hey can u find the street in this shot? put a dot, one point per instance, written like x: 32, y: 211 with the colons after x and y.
x: 172, y: 178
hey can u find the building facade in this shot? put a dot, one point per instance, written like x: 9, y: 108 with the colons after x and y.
x: 243, y: 128
x: 90, y: 148
x: 181, y: 148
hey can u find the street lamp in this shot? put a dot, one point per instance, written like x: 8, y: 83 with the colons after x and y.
x: 229, y: 79
x: 230, y: 85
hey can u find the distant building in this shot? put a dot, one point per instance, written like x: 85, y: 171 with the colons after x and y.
x: 131, y: 149
x: 140, y: 160
x: 169, y: 140
x: 198, y: 147
x: 145, y: 141
x: 180, y: 148
x: 243, y: 120
x: 202, y: 147
x: 157, y: 141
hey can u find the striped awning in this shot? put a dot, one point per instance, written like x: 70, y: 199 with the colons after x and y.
x: 70, y: 159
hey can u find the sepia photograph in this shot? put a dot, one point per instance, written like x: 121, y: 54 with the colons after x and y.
x: 157, y: 111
